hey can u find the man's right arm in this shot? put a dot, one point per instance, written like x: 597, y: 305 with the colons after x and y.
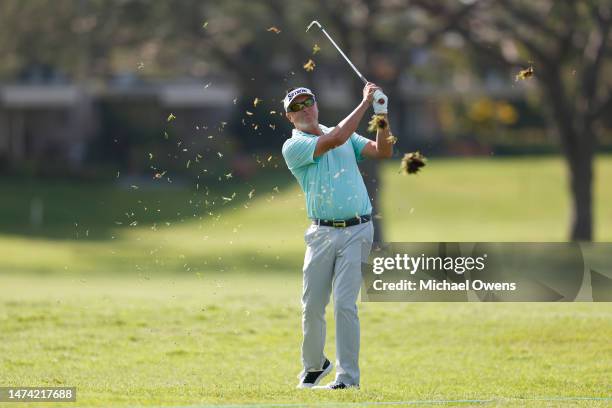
x: 343, y: 131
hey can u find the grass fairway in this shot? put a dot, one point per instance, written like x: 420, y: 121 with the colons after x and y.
x: 236, y: 340
x: 198, y: 304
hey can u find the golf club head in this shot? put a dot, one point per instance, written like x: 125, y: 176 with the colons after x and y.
x: 313, y: 22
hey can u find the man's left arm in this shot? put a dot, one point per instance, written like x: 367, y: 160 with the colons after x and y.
x: 382, y: 148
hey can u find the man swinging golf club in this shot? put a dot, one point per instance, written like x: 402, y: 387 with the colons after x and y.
x: 324, y: 162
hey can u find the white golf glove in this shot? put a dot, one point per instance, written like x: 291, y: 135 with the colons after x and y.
x: 380, y: 102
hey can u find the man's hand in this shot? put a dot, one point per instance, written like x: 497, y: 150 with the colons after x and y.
x: 368, y: 92
x: 380, y: 102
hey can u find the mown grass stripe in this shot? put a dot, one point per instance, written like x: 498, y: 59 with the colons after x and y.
x: 409, y: 402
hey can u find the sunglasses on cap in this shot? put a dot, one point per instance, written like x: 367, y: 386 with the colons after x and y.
x: 298, y: 106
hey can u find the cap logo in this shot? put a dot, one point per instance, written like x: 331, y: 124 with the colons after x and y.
x: 298, y: 91
x: 291, y: 95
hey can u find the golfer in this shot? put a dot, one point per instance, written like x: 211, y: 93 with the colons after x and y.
x: 324, y: 162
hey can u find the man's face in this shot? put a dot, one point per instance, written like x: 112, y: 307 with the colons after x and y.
x: 307, y: 117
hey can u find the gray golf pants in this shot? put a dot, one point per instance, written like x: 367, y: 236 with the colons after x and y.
x: 333, y: 263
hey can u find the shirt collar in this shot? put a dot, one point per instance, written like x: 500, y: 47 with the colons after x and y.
x: 297, y: 132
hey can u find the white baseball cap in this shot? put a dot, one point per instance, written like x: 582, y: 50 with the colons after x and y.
x: 291, y: 95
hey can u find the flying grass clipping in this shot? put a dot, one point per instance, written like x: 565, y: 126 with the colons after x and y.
x: 524, y: 74
x: 412, y: 162
x: 309, y: 66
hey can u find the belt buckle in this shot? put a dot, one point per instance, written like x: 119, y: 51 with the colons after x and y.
x: 339, y: 223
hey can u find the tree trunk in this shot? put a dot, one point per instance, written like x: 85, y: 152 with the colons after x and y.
x: 371, y: 178
x: 578, y: 143
x: 581, y: 182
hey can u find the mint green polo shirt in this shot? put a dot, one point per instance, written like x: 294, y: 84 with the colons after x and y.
x: 332, y: 182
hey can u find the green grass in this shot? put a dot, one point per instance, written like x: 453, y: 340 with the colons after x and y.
x: 191, y: 308
x: 236, y: 339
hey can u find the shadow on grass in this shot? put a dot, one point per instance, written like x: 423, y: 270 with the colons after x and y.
x: 121, y: 265
x: 74, y: 210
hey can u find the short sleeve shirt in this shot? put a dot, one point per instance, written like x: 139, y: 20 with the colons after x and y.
x: 332, y: 183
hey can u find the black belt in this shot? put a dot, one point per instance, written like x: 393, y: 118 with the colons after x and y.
x: 342, y: 223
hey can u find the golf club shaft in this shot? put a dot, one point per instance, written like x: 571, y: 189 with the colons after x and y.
x: 365, y: 81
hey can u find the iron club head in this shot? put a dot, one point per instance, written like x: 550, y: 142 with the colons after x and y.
x: 313, y: 22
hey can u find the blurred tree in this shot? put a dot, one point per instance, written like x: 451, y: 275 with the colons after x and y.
x: 80, y: 38
x: 568, y: 43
